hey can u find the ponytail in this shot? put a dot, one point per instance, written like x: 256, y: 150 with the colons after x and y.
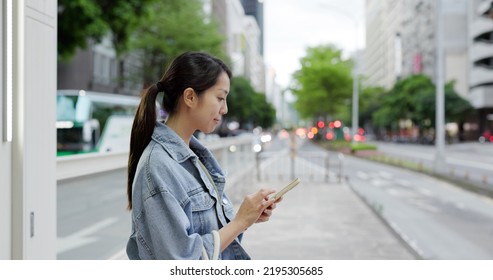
x: 142, y: 129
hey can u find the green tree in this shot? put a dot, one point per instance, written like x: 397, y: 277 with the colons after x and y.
x: 172, y: 27
x: 456, y: 107
x: 83, y: 20
x: 264, y: 114
x: 414, y: 98
x: 370, y: 99
x: 78, y: 21
x: 323, y: 84
x: 123, y: 17
x: 401, y: 101
x: 240, y: 100
x: 248, y: 107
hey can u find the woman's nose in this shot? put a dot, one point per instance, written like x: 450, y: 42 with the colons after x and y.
x: 224, y: 109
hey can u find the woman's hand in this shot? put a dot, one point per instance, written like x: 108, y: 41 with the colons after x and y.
x: 265, y: 216
x: 256, y: 207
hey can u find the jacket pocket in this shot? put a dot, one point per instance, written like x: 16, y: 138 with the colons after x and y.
x: 204, y: 217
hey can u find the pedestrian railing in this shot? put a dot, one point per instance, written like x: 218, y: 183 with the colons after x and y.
x: 308, y: 166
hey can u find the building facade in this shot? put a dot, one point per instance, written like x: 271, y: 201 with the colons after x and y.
x: 401, y: 41
x: 481, y: 61
x: 243, y: 41
x: 383, y: 53
x: 255, y: 8
x: 97, y: 68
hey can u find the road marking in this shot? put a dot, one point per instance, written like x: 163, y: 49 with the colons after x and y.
x: 460, y: 205
x: 379, y: 183
x: 362, y: 175
x: 402, y: 182
x: 424, y: 206
x: 399, y: 192
x: 385, y: 175
x: 81, y: 237
x: 425, y: 192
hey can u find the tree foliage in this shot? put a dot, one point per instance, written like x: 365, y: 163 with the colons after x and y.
x: 123, y: 17
x: 78, y: 21
x: 370, y: 100
x: 247, y: 106
x: 323, y: 84
x: 172, y: 27
x: 414, y: 98
x: 82, y: 20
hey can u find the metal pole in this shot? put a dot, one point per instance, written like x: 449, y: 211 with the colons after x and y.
x: 341, y: 162
x: 355, y: 117
x: 439, y: 164
x: 327, y: 167
x: 257, y: 164
x: 355, y: 112
x: 293, y: 154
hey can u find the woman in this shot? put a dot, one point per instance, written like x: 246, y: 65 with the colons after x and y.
x: 175, y: 186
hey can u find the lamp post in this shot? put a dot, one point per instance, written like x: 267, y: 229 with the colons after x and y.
x: 439, y: 162
x: 355, y: 96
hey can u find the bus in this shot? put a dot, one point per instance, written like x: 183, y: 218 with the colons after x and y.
x: 89, y: 121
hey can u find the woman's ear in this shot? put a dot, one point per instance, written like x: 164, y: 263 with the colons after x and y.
x: 190, y: 98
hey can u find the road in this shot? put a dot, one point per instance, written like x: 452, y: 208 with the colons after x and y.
x: 469, y: 162
x: 437, y: 219
x: 92, y: 220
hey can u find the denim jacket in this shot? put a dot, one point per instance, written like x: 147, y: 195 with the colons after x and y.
x: 175, y: 206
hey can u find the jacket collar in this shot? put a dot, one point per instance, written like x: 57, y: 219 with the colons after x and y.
x: 180, y: 151
x: 171, y: 142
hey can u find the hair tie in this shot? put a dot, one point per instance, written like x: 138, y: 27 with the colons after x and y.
x: 160, y: 87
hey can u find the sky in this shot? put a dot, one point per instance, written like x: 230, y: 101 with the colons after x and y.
x: 290, y: 26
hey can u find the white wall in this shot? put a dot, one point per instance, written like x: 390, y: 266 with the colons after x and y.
x: 28, y: 163
x: 5, y: 154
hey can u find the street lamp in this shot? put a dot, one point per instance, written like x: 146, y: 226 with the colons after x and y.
x: 440, y: 98
x: 355, y: 97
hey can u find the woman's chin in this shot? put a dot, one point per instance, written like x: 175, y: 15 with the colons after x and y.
x: 209, y: 130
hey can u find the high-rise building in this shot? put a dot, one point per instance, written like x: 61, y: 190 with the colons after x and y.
x: 243, y: 41
x: 255, y: 8
x: 401, y: 41
x: 383, y: 53
x: 418, y: 38
x: 481, y: 61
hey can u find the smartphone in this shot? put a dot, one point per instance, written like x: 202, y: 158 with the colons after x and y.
x: 287, y: 188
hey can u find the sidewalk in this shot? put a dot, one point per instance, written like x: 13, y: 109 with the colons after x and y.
x: 318, y: 221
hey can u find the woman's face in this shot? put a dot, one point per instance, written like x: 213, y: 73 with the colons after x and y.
x: 212, y: 105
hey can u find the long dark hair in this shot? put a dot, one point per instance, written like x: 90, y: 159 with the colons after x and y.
x: 196, y: 70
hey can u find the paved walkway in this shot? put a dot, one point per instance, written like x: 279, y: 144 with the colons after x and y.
x: 324, y: 221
